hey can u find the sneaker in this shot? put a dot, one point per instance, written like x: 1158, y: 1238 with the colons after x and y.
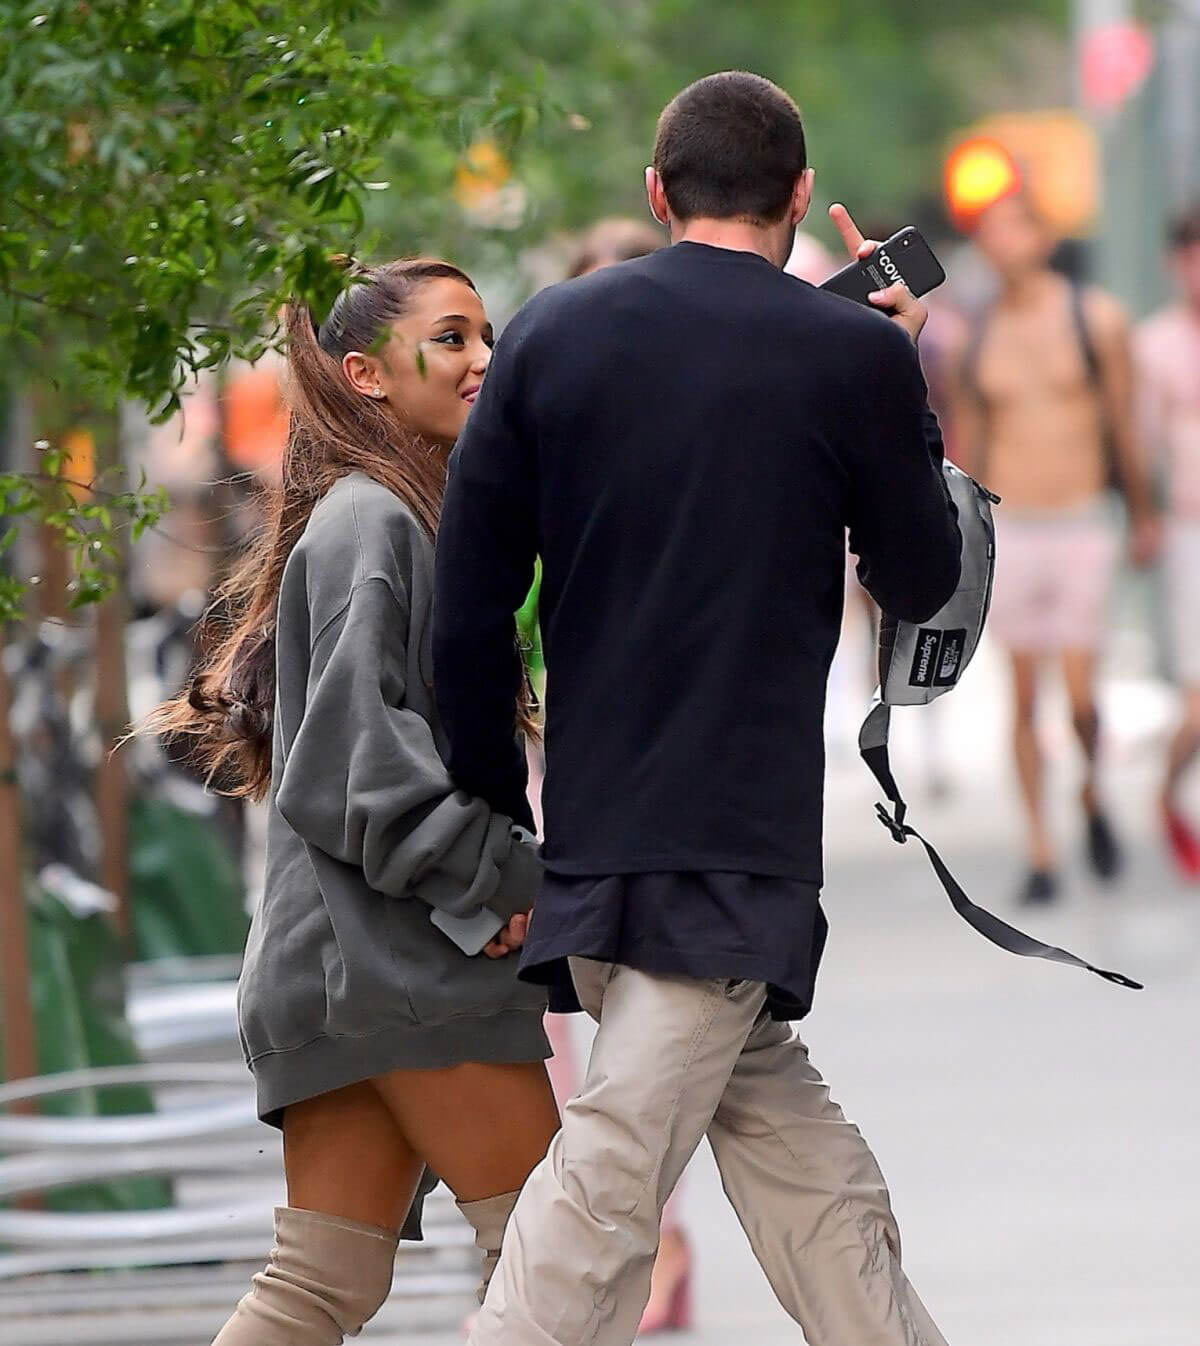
x: 1039, y: 888
x: 1184, y: 844
x: 1103, y: 849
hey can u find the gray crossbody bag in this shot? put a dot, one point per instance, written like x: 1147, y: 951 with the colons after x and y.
x: 919, y: 661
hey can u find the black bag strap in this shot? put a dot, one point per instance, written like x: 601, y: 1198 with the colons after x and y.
x: 1095, y: 378
x: 873, y: 745
x: 1087, y: 347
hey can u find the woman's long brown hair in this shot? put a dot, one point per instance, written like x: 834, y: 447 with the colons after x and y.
x: 224, y: 718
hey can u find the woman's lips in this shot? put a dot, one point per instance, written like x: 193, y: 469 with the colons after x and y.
x: 472, y: 393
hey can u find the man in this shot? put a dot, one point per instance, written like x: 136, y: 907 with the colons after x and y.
x: 1045, y: 417
x: 684, y: 440
x: 1167, y: 346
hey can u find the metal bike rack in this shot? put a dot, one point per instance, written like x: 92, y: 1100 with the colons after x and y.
x: 172, y: 1275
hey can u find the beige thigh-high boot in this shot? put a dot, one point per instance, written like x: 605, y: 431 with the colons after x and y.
x: 489, y: 1219
x: 326, y: 1278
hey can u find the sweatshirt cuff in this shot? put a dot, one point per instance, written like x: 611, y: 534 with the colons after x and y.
x: 520, y: 876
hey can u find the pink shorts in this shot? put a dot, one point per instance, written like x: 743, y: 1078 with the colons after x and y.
x: 1054, y: 575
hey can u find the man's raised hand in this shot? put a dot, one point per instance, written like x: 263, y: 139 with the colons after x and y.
x: 903, y: 307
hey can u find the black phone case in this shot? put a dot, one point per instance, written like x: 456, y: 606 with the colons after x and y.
x: 905, y: 256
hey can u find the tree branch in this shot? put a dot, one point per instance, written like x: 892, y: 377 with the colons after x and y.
x: 55, y: 305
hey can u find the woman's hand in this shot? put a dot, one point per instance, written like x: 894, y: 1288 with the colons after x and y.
x: 904, y: 308
x: 510, y: 938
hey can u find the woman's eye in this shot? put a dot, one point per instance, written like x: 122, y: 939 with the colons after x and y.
x: 450, y: 339
x: 490, y: 341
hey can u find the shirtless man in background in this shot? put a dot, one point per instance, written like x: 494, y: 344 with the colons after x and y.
x: 1167, y: 347
x: 1044, y: 413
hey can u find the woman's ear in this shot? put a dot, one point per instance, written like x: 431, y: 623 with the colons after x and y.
x: 362, y: 373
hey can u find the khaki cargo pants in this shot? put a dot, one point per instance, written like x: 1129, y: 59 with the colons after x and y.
x: 674, y: 1060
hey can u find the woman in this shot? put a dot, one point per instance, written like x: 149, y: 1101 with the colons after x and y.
x: 376, y: 1043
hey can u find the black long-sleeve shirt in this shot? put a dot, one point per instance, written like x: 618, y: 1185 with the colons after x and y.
x: 684, y: 439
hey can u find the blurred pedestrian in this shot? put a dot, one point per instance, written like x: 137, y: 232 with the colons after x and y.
x: 377, y: 1043
x: 686, y: 468
x: 613, y: 240
x: 1045, y: 417
x: 1168, y: 361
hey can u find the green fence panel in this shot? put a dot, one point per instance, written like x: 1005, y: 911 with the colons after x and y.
x: 185, y: 887
x: 77, y: 988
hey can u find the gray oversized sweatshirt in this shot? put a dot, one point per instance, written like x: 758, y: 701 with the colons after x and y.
x: 345, y: 977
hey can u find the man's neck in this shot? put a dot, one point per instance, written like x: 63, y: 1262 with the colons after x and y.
x: 736, y: 236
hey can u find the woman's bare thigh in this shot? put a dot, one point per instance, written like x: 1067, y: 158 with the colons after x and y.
x: 481, y: 1128
x: 344, y: 1154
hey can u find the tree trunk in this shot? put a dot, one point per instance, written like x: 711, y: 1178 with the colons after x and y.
x: 20, y: 1050
x: 112, y: 713
x: 19, y: 1043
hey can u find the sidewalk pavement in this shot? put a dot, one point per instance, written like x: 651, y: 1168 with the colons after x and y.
x: 1038, y: 1126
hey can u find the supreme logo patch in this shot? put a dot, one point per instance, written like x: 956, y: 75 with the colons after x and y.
x: 938, y: 657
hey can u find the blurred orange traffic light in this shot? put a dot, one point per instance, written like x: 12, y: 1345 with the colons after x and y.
x: 979, y: 171
x: 1051, y: 154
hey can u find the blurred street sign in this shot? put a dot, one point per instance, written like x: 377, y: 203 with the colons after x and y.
x: 1053, y: 154
x: 1115, y: 59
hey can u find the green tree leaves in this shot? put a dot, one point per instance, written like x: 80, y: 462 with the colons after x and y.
x: 171, y: 171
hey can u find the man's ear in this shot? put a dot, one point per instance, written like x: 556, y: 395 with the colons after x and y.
x: 802, y: 195
x: 657, y: 197
x: 361, y: 372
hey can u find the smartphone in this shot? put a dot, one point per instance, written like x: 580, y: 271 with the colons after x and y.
x: 470, y: 933
x: 905, y: 256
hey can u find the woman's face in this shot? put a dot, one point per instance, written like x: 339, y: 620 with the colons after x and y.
x: 432, y: 366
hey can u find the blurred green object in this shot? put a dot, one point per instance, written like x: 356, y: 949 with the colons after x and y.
x: 186, y: 891
x: 78, y: 991
x: 529, y: 632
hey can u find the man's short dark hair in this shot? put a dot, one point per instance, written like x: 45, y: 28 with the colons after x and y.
x: 730, y: 146
x: 1184, y: 229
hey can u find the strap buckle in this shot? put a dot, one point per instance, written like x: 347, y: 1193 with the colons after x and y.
x: 899, y: 831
